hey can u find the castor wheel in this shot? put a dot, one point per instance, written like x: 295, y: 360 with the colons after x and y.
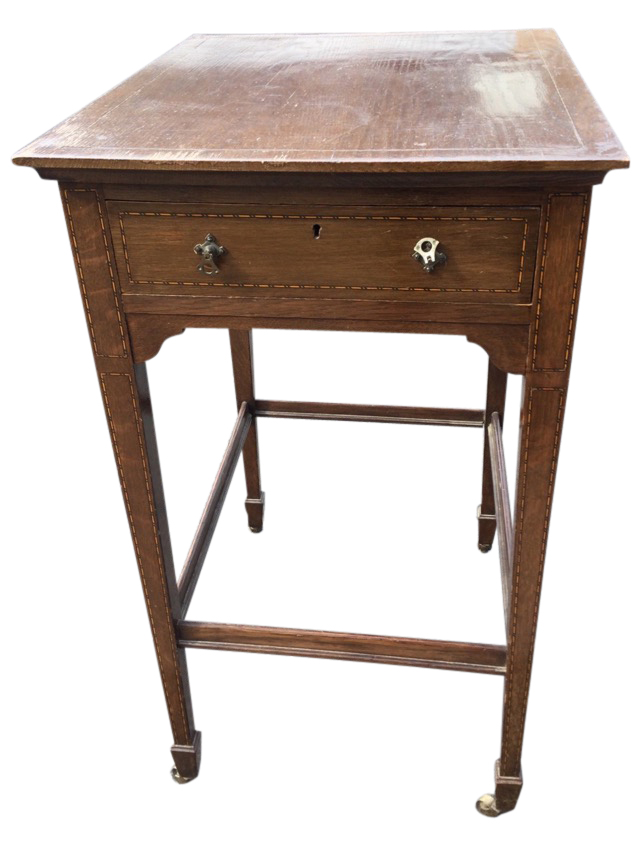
x: 505, y: 797
x: 486, y: 805
x: 181, y: 780
x: 484, y: 548
x: 255, y: 529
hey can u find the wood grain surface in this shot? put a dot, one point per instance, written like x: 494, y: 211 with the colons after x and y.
x: 333, y: 252
x: 489, y: 142
x: 435, y: 102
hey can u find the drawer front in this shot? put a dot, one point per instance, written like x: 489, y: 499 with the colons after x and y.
x: 338, y: 253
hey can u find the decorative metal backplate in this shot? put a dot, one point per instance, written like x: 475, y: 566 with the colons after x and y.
x: 426, y: 252
x: 209, y: 250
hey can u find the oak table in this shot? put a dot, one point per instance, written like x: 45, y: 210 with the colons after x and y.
x: 432, y: 183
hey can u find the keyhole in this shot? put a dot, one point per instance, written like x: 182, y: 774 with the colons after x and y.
x: 316, y: 231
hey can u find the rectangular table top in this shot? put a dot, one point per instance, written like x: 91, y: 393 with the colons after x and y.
x: 398, y: 102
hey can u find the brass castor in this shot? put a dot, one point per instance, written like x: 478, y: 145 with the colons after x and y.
x: 505, y: 797
x: 181, y: 780
x: 486, y: 805
x: 255, y: 529
x: 484, y: 548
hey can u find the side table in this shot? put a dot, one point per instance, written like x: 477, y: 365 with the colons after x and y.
x: 428, y: 182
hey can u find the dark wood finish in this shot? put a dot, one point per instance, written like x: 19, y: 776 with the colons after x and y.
x: 211, y: 513
x: 506, y: 344
x: 125, y: 392
x: 250, y: 189
x: 319, y: 181
x: 496, y: 395
x: 560, y: 274
x: 543, y: 401
x: 436, y: 654
x: 417, y: 102
x: 333, y: 252
x: 393, y: 313
x: 503, y: 509
x: 86, y: 214
x: 242, y: 359
x: 543, y: 409
x: 376, y: 139
x: 373, y: 414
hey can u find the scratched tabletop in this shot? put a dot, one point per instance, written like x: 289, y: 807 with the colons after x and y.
x: 415, y: 102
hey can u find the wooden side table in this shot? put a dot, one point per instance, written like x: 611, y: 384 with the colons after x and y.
x: 433, y: 183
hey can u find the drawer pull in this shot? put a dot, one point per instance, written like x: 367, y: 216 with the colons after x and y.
x: 426, y: 252
x: 209, y: 250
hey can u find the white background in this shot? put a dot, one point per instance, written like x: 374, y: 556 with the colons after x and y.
x: 367, y: 528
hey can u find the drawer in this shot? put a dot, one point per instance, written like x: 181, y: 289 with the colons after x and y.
x: 333, y: 253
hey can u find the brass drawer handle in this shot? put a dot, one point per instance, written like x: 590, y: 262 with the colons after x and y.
x: 209, y: 250
x: 426, y: 252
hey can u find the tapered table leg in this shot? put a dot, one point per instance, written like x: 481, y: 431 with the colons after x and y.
x: 542, y: 409
x: 543, y: 402
x: 496, y: 394
x: 242, y: 358
x: 125, y: 393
